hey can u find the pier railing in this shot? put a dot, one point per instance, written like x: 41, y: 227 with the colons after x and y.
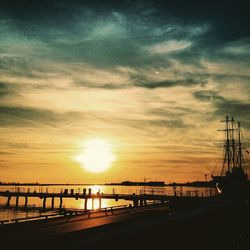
x: 75, y: 212
x: 137, y: 199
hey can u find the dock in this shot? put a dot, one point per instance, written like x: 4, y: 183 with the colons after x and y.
x: 136, y: 199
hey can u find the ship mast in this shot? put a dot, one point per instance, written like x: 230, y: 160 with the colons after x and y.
x: 233, y: 141
x: 227, y: 144
x: 240, y: 146
x: 231, y: 155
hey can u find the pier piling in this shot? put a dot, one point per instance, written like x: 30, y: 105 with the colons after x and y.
x: 8, y: 201
x: 52, y: 202
x: 61, y: 202
x: 26, y: 202
x: 17, y: 201
x: 85, y: 203
x: 44, y: 203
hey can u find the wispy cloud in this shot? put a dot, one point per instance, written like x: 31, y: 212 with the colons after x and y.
x: 144, y: 80
x: 169, y: 46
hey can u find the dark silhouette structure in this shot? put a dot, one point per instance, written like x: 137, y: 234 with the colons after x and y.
x: 232, y: 180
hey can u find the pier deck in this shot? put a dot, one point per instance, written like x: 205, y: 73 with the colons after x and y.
x: 137, y: 199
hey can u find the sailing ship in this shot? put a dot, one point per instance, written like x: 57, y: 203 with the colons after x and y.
x: 232, y: 179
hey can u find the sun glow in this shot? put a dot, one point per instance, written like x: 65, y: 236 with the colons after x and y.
x: 97, y: 156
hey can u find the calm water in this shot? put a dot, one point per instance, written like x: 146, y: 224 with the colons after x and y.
x: 35, y: 204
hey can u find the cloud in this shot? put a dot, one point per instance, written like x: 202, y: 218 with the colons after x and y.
x: 168, y: 47
x: 16, y: 116
x: 5, y: 89
x: 150, y: 124
x: 208, y: 96
x: 110, y: 39
x: 147, y: 75
x: 171, y: 83
x: 224, y: 106
x: 238, y: 48
x: 12, y: 116
x: 231, y: 107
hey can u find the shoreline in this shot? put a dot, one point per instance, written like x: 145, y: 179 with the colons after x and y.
x: 139, y: 184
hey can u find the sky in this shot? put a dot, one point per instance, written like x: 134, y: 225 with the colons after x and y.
x: 152, y: 78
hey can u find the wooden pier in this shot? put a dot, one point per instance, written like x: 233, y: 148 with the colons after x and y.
x: 136, y: 199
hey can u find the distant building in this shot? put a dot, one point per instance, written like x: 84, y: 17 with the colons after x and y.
x: 150, y: 183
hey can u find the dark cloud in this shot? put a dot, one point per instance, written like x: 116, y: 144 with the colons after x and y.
x: 143, y: 82
x: 230, y: 77
x: 109, y: 86
x: 170, y: 83
x: 240, y: 110
x: 161, y: 117
x: 175, y: 123
x: 208, y: 96
x: 108, y: 33
x: 17, y: 116
x: 19, y: 66
x: 152, y: 124
x: 64, y: 13
x: 5, y: 89
x: 32, y: 117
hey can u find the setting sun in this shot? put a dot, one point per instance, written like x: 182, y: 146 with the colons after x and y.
x: 97, y: 156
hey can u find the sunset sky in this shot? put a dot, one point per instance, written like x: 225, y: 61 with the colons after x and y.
x: 153, y: 79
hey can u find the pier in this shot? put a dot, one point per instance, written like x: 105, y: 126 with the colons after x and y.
x: 136, y: 199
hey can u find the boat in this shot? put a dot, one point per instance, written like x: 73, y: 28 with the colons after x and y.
x: 233, y: 178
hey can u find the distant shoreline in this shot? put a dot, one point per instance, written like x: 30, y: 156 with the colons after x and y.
x: 125, y: 183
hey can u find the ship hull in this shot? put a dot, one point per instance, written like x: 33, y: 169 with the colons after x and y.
x: 229, y: 185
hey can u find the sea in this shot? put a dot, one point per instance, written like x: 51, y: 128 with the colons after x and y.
x: 34, y: 207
